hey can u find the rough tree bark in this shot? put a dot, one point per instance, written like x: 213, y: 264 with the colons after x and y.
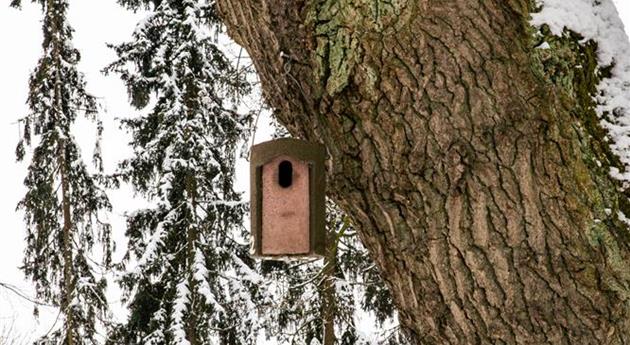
x: 478, y: 184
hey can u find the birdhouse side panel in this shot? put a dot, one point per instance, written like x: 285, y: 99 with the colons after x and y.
x: 285, y: 207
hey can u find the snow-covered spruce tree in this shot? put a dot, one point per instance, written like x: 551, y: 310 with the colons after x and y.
x: 190, y: 284
x: 62, y: 202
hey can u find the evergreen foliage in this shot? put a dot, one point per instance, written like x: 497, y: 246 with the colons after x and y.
x: 189, y: 248
x: 62, y: 203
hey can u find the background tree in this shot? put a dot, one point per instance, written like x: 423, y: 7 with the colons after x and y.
x: 62, y: 203
x: 470, y: 158
x: 188, y: 287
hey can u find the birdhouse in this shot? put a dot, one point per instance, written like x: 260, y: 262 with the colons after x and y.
x: 287, y: 199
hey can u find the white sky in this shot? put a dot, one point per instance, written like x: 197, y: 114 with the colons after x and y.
x: 96, y: 22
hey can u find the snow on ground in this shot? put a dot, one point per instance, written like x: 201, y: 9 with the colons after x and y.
x: 600, y: 21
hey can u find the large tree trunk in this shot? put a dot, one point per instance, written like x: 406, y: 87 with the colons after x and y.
x: 479, y: 187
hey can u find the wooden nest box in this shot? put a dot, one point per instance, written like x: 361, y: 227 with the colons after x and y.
x: 288, y: 189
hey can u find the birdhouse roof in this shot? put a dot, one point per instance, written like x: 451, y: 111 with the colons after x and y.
x: 299, y: 149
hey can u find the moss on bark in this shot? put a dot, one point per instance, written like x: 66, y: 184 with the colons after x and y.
x: 570, y: 64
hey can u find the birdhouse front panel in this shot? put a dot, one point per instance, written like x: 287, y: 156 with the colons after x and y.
x: 288, y: 189
x: 285, y: 207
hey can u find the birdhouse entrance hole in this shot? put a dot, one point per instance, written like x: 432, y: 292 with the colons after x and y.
x: 285, y: 174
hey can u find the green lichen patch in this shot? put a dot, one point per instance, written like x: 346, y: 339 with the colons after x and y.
x: 339, y: 26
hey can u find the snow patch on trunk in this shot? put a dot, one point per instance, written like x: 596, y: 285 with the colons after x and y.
x: 600, y: 21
